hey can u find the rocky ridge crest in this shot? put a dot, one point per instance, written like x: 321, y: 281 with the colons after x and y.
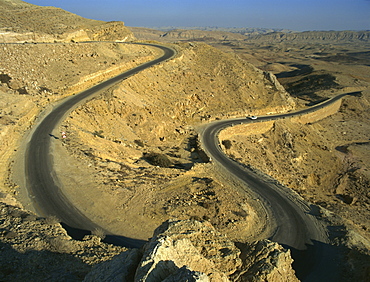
x: 253, y: 37
x: 23, y: 22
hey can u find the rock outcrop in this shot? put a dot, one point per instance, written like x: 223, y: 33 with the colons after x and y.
x: 188, y: 243
x: 39, y: 249
x: 191, y: 250
x: 267, y: 261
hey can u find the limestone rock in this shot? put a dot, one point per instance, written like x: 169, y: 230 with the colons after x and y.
x: 39, y: 249
x: 190, y: 243
x: 186, y: 275
x: 111, y: 31
x: 272, y: 78
x: 20, y: 21
x: 120, y: 268
x: 267, y: 261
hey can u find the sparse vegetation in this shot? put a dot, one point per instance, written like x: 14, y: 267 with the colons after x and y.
x: 139, y: 143
x: 203, y: 83
x: 52, y: 219
x: 158, y: 159
x: 99, y: 233
x: 227, y: 144
x: 60, y: 245
x: 98, y: 133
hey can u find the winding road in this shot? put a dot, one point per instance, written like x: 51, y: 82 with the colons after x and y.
x: 292, y: 220
x: 42, y: 182
x: 294, y: 226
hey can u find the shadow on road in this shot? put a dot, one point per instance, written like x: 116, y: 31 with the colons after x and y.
x: 319, y: 262
x: 79, y: 234
x: 55, y: 137
x: 325, y: 262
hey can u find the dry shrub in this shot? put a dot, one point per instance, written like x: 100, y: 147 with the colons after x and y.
x: 227, y: 144
x: 157, y: 159
x: 52, y: 219
x: 60, y: 245
x: 99, y: 233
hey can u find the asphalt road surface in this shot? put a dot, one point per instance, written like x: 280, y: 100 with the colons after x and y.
x: 42, y: 182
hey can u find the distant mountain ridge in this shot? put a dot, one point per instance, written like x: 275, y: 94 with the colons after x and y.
x: 248, y: 34
x: 240, y: 30
x: 321, y: 36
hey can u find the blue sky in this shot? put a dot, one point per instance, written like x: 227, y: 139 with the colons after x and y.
x: 288, y: 14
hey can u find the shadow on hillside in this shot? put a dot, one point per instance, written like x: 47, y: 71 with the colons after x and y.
x: 360, y: 58
x: 301, y: 70
x: 79, y: 234
x: 40, y: 265
x: 319, y: 262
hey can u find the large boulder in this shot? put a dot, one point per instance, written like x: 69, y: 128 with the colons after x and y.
x: 196, y: 245
x: 266, y: 261
x: 120, y: 268
x: 190, y: 250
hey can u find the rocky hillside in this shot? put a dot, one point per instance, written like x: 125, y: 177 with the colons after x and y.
x: 39, y: 249
x: 178, y: 34
x: 333, y: 174
x: 150, y: 117
x: 33, y: 76
x: 194, y: 35
x: 20, y: 21
x: 198, y: 33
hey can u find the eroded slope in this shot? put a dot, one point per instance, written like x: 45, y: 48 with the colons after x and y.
x: 155, y: 111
